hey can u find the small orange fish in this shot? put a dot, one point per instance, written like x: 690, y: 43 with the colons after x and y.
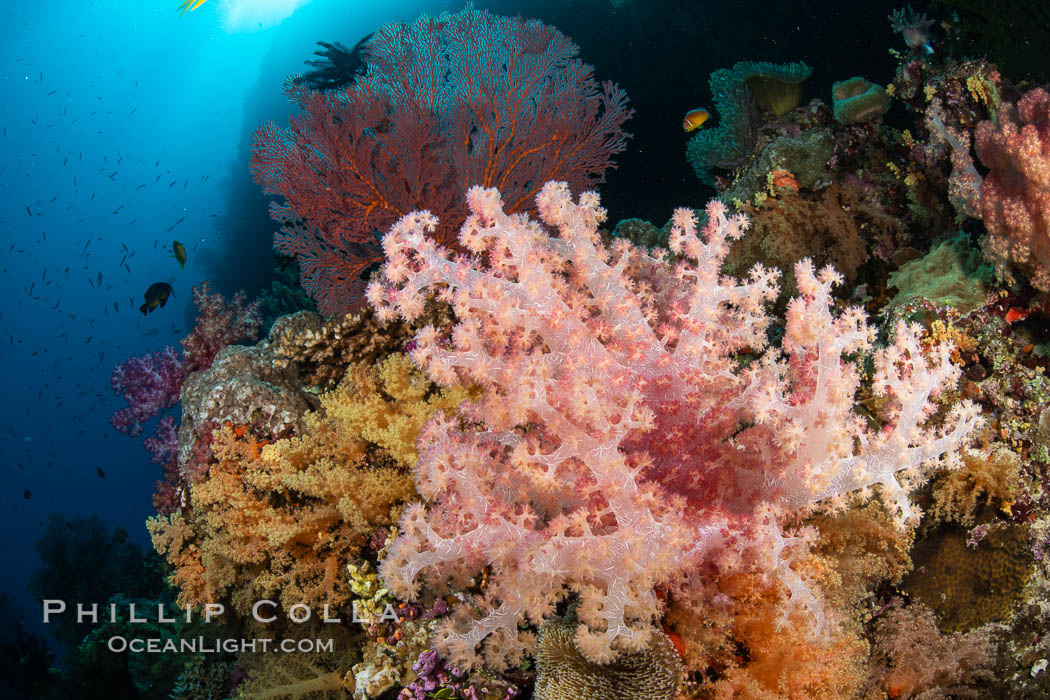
x: 694, y: 119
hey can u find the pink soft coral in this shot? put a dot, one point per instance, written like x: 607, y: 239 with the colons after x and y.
x: 219, y: 323
x: 1015, y: 196
x: 618, y: 444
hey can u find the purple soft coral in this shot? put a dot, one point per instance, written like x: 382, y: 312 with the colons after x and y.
x: 149, y: 383
x: 435, y: 676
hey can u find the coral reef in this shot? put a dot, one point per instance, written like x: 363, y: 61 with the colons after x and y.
x: 281, y: 520
x: 600, y: 370
x: 794, y: 446
x: 155, y: 382
x: 738, y: 93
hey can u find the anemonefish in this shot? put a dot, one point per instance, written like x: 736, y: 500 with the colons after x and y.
x: 190, y: 6
x: 694, y: 119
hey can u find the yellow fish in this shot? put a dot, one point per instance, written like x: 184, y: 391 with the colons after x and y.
x: 179, y: 253
x: 190, y: 6
x: 694, y: 119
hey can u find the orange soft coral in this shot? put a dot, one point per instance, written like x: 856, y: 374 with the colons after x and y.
x: 281, y: 520
x: 776, y: 661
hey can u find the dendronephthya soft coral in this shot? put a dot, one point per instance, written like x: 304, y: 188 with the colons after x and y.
x: 621, y: 440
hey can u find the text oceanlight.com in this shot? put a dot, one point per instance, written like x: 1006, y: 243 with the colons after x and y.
x: 201, y: 645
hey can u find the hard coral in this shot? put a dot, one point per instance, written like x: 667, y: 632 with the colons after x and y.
x: 242, y: 386
x: 563, y: 673
x: 320, y: 349
x: 968, y: 587
x: 618, y: 444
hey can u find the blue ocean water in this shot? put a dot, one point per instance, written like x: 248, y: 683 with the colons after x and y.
x: 124, y: 129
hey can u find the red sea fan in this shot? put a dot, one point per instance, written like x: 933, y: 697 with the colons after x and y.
x: 446, y: 103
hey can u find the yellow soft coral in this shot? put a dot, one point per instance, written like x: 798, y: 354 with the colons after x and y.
x: 388, y: 408
x: 316, y: 674
x: 992, y: 476
x: 282, y: 520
